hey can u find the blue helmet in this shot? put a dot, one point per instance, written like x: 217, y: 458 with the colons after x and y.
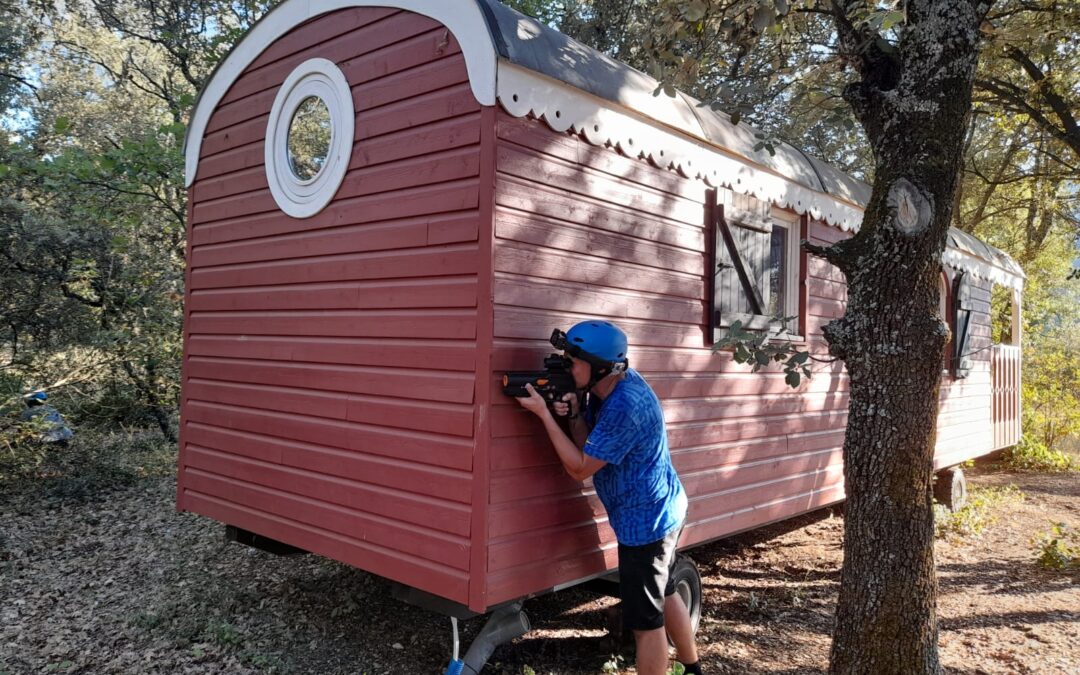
x: 602, y: 340
x: 36, y: 398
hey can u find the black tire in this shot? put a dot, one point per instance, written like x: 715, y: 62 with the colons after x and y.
x: 950, y: 488
x: 687, y: 581
x: 688, y: 586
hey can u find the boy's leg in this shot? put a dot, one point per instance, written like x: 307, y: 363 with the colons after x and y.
x: 644, y: 573
x: 677, y: 621
x: 652, y: 651
x: 679, y: 629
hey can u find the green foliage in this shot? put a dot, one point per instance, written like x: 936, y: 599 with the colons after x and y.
x: 1032, y: 65
x: 613, y: 665
x: 87, y: 467
x: 223, y: 633
x: 543, y: 10
x: 1051, y: 382
x: 1058, y: 548
x: 1031, y: 454
x: 760, y: 349
x: 92, y: 203
x: 977, y: 514
x: 16, y: 39
x: 93, y: 263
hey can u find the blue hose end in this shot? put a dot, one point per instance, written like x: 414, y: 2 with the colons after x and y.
x: 455, y: 667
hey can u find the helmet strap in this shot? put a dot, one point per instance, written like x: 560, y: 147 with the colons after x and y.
x: 594, y: 377
x: 598, y: 372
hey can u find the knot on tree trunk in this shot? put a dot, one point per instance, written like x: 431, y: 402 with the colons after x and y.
x: 841, y: 337
x: 922, y: 338
x: 911, y: 210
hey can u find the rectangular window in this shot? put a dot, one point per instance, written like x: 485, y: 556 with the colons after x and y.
x: 756, y: 255
x: 778, y: 265
x: 945, y: 314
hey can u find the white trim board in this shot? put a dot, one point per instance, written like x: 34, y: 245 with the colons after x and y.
x: 563, y: 107
x: 980, y: 269
x: 463, y: 19
x: 522, y: 92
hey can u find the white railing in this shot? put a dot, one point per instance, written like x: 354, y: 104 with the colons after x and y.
x: 1005, y: 385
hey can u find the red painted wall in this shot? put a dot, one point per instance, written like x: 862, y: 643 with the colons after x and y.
x: 331, y: 397
x: 329, y: 374
x: 583, y: 231
x: 965, y: 428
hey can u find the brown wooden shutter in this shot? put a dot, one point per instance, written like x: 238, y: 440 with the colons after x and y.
x: 948, y: 315
x: 962, y: 304
x: 741, y: 235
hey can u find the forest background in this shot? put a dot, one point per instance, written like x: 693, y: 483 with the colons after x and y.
x: 95, y: 97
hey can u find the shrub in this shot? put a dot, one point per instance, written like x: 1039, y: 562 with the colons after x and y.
x: 90, y: 465
x: 977, y: 515
x: 1033, y: 455
x: 21, y: 453
x: 1059, y: 548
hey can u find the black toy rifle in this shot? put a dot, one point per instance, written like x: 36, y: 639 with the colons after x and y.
x: 554, y: 382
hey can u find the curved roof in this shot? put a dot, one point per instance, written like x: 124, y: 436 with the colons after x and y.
x: 526, y: 42
x: 504, y: 49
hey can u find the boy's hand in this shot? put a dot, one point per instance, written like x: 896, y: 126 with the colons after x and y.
x: 567, y: 406
x: 534, y: 402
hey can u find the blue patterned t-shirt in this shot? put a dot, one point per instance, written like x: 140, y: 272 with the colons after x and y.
x: 638, y: 486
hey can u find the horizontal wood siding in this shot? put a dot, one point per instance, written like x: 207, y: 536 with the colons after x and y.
x: 965, y: 421
x: 583, y: 231
x: 329, y: 380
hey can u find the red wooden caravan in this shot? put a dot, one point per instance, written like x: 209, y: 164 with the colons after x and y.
x: 392, y: 202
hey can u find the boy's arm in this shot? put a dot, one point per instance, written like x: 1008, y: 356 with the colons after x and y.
x: 570, y: 407
x: 576, y: 462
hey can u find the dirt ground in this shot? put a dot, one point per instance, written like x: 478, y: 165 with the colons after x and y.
x: 121, y: 583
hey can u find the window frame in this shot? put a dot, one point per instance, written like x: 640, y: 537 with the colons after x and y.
x: 948, y: 315
x: 793, y: 305
x: 796, y: 299
x: 322, y: 79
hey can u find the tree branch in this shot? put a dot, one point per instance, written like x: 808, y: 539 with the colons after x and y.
x: 1006, y: 92
x: 1061, y: 108
x: 23, y: 81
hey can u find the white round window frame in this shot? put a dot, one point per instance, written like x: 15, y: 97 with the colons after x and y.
x: 322, y: 79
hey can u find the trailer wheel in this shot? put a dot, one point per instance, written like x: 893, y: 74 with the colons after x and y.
x: 950, y: 489
x: 688, y: 586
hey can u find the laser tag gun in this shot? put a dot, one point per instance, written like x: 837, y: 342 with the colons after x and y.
x: 553, y: 382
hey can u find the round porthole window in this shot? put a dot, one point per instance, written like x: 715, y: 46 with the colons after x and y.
x: 310, y: 134
x: 309, y: 138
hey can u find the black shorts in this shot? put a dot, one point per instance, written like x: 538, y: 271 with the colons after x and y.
x: 645, y: 571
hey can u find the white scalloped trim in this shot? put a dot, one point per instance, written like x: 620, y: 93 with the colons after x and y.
x: 981, y: 269
x: 523, y: 92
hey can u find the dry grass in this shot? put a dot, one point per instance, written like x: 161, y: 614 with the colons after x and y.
x: 111, y: 579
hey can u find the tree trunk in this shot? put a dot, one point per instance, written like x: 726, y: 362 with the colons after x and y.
x: 147, y: 387
x: 914, y: 102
